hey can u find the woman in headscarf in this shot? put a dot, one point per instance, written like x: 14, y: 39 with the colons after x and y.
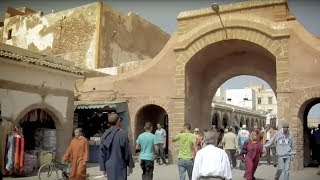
x: 78, y: 154
x: 254, y: 151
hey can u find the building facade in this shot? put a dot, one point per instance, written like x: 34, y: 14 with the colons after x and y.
x: 94, y: 36
x: 264, y: 40
x: 245, y: 98
x: 30, y: 85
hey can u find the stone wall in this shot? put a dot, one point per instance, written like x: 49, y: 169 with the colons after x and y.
x: 69, y: 34
x: 127, y: 38
x: 93, y: 36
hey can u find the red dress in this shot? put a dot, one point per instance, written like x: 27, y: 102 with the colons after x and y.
x: 254, y: 151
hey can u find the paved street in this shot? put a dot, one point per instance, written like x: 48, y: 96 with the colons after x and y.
x: 170, y: 172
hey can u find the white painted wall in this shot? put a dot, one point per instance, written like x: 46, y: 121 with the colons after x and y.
x: 35, y: 75
x: 241, y: 97
x: 14, y: 102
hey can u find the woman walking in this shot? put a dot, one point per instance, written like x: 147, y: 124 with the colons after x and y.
x: 254, y: 151
x: 77, y: 154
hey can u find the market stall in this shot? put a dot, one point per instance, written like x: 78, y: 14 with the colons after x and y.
x: 26, y: 144
x: 93, y: 119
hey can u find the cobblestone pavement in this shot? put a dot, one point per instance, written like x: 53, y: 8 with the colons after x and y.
x: 170, y: 172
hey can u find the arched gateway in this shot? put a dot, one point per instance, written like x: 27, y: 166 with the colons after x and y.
x: 260, y: 38
x: 207, y: 56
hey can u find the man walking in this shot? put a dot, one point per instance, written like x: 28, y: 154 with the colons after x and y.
x: 230, y: 144
x: 186, y: 142
x: 115, y: 151
x: 211, y: 162
x: 160, y: 142
x: 283, y: 141
x: 316, y: 138
x: 272, y: 149
x: 146, y: 144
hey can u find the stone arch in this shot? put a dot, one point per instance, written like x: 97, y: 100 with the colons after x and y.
x: 225, y: 119
x: 216, y: 119
x: 248, y: 122
x: 154, y: 114
x: 236, y: 120
x: 242, y: 121
x: 252, y: 120
x: 298, y: 120
x: 136, y: 106
x: 55, y: 114
x: 150, y: 112
x: 273, y: 42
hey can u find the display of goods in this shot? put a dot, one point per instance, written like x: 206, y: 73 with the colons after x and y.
x: 49, y: 132
x: 49, y: 139
x: 30, y: 163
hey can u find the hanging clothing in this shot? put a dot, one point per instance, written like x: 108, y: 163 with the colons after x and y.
x: 6, y: 128
x: 21, y: 164
x: 10, y: 157
x: 78, y: 154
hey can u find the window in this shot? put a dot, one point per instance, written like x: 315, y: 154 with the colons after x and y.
x: 229, y: 99
x: 9, y: 34
x: 270, y: 111
x: 269, y: 100
x: 259, y: 100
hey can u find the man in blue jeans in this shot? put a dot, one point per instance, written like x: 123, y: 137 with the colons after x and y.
x: 160, y: 142
x: 283, y: 141
x: 187, y: 142
x: 146, y: 143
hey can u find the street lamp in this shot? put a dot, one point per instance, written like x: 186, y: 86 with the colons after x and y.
x: 215, y: 7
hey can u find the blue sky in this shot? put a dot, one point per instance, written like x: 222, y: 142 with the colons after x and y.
x: 163, y: 14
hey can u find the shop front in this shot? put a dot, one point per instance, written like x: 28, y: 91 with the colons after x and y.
x: 92, y: 117
x: 36, y: 104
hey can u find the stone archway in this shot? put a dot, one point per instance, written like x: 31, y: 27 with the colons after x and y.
x: 207, y: 48
x: 216, y: 119
x: 242, y: 121
x: 154, y: 114
x: 298, y: 122
x: 236, y: 120
x: 63, y: 130
x: 248, y: 122
x: 57, y: 117
x: 225, y: 120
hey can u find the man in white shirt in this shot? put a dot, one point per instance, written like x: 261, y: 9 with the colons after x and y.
x: 211, y: 162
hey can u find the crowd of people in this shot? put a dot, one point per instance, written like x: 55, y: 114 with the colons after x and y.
x: 202, y: 155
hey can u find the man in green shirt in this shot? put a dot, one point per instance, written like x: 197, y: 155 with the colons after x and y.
x: 186, y: 141
x: 146, y: 143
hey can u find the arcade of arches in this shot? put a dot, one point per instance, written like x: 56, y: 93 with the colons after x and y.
x: 263, y: 39
x: 223, y: 115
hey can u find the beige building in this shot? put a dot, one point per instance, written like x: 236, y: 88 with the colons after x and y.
x: 93, y: 36
x: 32, y: 84
x: 266, y: 102
x: 263, y: 39
x: 313, y: 122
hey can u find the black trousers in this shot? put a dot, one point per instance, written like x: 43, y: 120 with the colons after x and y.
x: 147, y: 169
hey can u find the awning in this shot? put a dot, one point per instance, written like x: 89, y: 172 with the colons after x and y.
x: 97, y: 105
